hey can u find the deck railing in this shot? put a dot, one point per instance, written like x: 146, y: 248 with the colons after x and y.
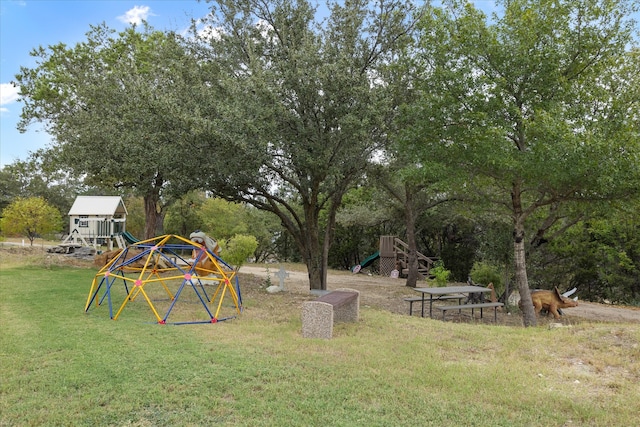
x: 402, y: 255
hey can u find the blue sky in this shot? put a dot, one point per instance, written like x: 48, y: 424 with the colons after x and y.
x: 27, y: 24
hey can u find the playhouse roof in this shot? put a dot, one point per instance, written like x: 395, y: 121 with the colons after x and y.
x: 98, y: 205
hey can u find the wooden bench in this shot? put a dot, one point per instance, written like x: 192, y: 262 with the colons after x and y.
x: 472, y: 307
x: 318, y: 316
x: 411, y: 300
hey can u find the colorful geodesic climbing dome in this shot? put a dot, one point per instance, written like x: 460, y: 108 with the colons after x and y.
x: 174, y: 276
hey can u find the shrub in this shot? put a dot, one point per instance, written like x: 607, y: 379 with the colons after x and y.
x: 440, y: 273
x: 30, y: 217
x: 485, y: 273
x: 239, y: 248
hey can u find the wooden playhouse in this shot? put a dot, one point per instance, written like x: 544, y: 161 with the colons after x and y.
x: 96, y: 220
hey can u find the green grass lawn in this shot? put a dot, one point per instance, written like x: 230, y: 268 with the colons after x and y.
x: 62, y: 366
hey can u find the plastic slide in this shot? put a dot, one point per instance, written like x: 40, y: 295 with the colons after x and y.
x: 129, y: 238
x: 366, y: 262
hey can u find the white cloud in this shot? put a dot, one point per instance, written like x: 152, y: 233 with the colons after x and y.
x: 8, y: 95
x: 136, y: 15
x: 207, y: 31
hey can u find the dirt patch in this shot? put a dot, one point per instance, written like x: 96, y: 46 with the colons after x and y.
x: 387, y: 294
x: 16, y: 255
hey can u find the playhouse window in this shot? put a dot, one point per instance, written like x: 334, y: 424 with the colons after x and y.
x: 83, y: 223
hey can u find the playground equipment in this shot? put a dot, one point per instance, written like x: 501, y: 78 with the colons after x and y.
x: 125, y: 238
x: 367, y: 262
x: 394, y: 254
x: 95, y: 221
x: 155, y: 270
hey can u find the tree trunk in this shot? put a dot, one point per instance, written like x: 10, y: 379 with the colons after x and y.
x: 160, y: 214
x: 329, y: 234
x: 317, y: 274
x: 317, y: 251
x: 154, y: 216
x: 412, y: 257
x: 316, y: 264
x: 306, y: 234
x: 522, y: 282
x: 528, y: 312
x: 312, y: 250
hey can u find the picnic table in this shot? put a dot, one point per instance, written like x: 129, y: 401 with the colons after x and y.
x: 445, y: 292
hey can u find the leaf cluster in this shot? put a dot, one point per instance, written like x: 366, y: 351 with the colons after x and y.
x: 31, y: 217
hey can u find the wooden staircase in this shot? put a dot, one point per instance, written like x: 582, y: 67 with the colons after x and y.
x: 396, y: 252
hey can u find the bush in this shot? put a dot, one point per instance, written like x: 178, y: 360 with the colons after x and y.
x: 440, y: 273
x: 485, y: 273
x: 30, y: 217
x: 238, y: 249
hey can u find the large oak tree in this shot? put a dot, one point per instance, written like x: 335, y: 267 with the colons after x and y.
x: 123, y: 110
x: 305, y: 109
x: 538, y: 105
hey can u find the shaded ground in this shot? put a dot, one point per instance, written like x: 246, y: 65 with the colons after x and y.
x: 388, y: 294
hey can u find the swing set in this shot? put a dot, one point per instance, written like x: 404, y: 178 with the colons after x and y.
x: 155, y: 270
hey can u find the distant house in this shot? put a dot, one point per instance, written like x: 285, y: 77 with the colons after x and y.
x: 97, y: 219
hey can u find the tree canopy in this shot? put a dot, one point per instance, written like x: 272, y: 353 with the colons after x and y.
x: 123, y: 109
x: 304, y: 110
x: 31, y: 217
x: 538, y: 106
